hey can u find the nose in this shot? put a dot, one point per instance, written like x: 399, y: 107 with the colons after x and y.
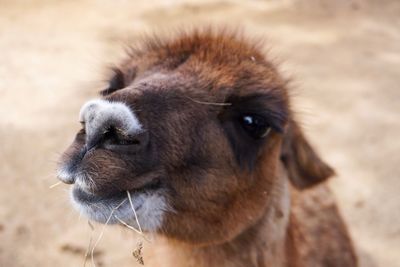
x: 111, y: 124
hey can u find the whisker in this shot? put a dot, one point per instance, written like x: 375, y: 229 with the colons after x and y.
x: 116, y: 167
x: 95, y: 205
x: 89, y: 180
x: 209, y: 103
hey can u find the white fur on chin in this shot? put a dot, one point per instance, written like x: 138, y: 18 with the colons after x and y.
x: 150, y: 208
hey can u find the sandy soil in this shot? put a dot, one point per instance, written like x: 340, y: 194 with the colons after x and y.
x: 344, y: 59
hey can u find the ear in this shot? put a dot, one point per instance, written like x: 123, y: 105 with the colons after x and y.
x: 304, y: 167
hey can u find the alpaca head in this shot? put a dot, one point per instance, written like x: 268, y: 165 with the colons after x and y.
x: 195, y: 129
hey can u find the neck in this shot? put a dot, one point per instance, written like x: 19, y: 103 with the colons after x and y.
x: 261, y: 245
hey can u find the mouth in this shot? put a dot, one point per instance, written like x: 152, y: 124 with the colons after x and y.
x: 129, y: 206
x: 81, y: 195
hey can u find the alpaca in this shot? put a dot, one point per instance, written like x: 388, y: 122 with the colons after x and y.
x: 198, y: 129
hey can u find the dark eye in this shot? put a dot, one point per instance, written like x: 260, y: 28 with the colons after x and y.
x: 255, y: 125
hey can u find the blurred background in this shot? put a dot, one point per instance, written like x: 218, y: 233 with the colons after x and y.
x: 343, y: 57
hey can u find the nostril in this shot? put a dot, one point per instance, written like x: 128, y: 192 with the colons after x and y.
x: 116, y: 136
x: 110, y: 135
x: 117, y: 140
x: 110, y: 124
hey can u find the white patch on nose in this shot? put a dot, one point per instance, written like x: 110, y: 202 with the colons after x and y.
x: 98, y: 115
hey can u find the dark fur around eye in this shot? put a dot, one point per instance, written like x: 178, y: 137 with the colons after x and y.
x: 246, y: 141
x: 270, y: 107
x: 116, y: 82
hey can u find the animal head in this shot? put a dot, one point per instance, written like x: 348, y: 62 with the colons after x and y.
x: 195, y: 129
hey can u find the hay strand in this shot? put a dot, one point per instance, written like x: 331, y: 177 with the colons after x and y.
x: 102, y: 231
x: 54, y: 185
x: 134, y: 211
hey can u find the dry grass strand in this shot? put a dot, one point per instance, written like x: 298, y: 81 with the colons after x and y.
x: 102, y: 231
x: 54, y: 185
x: 134, y: 211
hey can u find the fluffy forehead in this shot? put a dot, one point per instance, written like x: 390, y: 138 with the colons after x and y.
x: 219, y: 64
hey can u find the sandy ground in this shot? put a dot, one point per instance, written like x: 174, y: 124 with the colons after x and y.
x: 344, y: 58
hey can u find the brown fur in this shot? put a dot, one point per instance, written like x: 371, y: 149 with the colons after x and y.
x: 230, y: 193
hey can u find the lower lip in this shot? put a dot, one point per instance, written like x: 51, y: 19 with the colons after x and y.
x: 82, y: 196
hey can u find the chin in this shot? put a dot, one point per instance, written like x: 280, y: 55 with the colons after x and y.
x: 150, y: 206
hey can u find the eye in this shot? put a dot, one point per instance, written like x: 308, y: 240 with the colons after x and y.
x: 256, y: 126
